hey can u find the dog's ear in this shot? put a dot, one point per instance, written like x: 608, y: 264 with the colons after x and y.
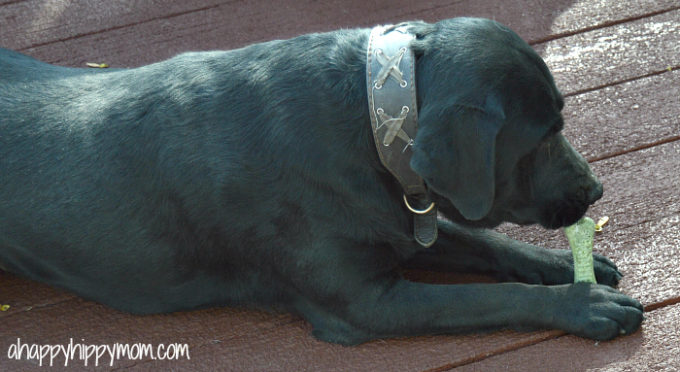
x: 454, y: 152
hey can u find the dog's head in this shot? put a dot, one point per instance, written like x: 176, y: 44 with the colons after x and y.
x: 489, y: 145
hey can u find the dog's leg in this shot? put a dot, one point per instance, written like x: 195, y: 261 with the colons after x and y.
x: 460, y: 249
x: 352, y: 293
x: 382, y: 309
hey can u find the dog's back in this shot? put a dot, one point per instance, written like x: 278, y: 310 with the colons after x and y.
x: 16, y: 67
x: 84, y: 198
x: 149, y: 189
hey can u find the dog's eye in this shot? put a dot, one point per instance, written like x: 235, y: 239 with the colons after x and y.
x: 554, y: 129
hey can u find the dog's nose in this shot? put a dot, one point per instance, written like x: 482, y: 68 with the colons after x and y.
x: 594, y: 192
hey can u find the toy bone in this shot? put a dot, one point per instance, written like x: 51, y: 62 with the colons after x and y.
x: 580, y: 236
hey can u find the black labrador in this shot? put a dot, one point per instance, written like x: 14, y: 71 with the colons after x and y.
x: 250, y: 177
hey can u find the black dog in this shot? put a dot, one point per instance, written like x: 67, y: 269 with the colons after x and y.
x: 250, y: 177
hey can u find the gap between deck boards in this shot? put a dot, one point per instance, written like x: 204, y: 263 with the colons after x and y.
x: 562, y: 35
x: 114, y: 28
x: 619, y: 82
x: 634, y: 149
x: 11, y: 2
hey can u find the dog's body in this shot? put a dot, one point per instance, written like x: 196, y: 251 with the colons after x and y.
x: 250, y: 177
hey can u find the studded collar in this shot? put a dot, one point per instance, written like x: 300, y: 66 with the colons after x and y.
x: 390, y: 77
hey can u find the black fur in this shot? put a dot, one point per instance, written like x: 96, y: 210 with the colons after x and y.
x: 249, y: 177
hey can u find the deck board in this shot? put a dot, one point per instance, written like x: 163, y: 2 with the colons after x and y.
x: 282, y: 342
x: 622, y: 52
x: 654, y: 349
x: 586, y: 15
x: 610, y: 57
x: 38, y: 22
x: 23, y: 294
x: 132, y: 33
x: 624, y: 117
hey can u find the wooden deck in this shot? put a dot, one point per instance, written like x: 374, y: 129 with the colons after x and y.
x: 617, y: 61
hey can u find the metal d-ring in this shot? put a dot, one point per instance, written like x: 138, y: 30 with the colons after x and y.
x: 418, y: 211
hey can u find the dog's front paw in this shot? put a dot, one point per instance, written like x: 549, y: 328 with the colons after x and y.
x: 555, y: 266
x: 596, y: 311
x: 606, y: 271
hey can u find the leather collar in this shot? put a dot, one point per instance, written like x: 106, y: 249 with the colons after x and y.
x: 390, y: 77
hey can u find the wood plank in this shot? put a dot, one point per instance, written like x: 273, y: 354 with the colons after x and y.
x: 606, y: 56
x: 231, y: 335
x: 8, y: 2
x: 159, y: 39
x: 25, y: 295
x: 291, y: 349
x: 653, y: 349
x: 91, y: 323
x: 644, y: 205
x: 36, y: 25
x: 29, y: 23
x: 36, y: 22
x: 587, y: 14
x: 617, y: 119
x: 151, y: 40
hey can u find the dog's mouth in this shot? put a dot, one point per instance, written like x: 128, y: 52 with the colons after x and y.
x: 563, y: 214
x: 550, y: 215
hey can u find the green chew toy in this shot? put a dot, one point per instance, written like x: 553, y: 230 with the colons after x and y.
x: 580, y: 236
